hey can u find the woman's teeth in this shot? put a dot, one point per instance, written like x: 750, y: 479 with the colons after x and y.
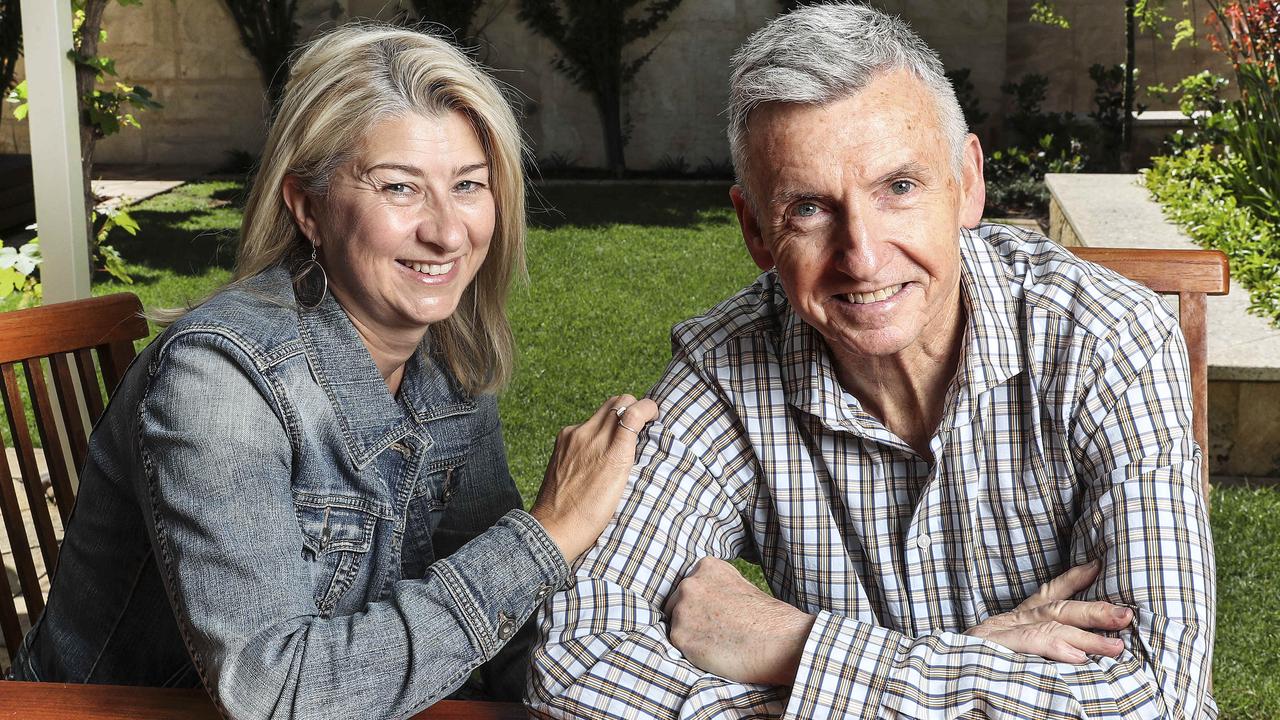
x: 428, y: 268
x: 877, y: 296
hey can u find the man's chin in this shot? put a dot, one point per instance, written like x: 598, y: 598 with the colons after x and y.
x: 869, y: 345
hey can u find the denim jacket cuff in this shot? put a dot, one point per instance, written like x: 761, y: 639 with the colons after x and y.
x: 501, y: 577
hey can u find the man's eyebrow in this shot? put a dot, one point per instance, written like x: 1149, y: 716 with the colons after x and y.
x: 913, y: 168
x: 786, y: 196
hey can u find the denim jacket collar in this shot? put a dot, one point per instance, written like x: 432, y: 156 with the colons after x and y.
x: 370, y: 418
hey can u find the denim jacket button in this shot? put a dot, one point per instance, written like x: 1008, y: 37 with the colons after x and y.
x: 543, y: 592
x: 506, y: 627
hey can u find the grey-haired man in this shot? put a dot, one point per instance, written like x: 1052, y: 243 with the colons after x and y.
x: 962, y: 457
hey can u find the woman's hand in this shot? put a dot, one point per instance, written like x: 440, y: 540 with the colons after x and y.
x: 587, y: 472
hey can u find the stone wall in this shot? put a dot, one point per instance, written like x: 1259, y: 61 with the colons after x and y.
x: 189, y: 54
x: 1097, y: 36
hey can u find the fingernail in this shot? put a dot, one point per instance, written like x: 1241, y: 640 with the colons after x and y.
x: 1121, y: 613
x: 1079, y: 657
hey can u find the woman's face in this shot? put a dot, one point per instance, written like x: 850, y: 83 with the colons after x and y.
x: 406, y: 225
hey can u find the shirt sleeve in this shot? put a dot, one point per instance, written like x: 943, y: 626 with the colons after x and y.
x: 604, y: 649
x: 1144, y: 516
x: 217, y: 497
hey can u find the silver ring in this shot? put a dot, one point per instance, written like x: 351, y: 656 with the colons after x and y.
x: 620, y: 411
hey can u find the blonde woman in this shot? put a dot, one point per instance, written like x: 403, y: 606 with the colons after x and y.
x: 299, y: 495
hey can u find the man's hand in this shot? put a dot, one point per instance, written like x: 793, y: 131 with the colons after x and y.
x: 1055, y: 627
x: 724, y: 625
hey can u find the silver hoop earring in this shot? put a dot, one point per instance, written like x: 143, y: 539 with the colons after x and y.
x: 302, y: 282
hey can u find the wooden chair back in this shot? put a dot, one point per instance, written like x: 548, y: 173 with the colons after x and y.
x: 62, y: 393
x: 1192, y: 275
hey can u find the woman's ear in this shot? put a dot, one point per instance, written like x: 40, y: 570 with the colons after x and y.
x: 303, y: 207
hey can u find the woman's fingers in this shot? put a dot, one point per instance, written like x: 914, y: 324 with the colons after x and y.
x: 633, y: 416
x: 587, y: 472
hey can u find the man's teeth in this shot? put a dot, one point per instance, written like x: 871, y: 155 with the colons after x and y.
x: 877, y: 296
x: 430, y: 269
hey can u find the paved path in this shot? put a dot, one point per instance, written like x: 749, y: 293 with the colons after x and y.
x: 126, y: 184
x: 1112, y: 210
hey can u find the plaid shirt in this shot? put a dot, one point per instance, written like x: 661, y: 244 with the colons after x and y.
x: 1066, y: 436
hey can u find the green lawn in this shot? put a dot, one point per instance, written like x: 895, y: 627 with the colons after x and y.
x: 611, y: 269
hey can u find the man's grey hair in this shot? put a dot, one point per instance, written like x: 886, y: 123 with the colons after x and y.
x: 823, y: 53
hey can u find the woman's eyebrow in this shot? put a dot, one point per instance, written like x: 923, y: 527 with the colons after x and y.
x: 409, y: 169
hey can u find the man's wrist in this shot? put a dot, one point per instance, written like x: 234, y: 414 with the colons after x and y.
x: 790, y: 638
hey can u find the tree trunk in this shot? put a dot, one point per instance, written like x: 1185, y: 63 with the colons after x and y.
x: 1130, y: 60
x: 86, y: 78
x: 610, y: 109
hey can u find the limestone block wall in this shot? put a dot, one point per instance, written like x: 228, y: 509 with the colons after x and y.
x: 188, y: 52
x: 1097, y: 36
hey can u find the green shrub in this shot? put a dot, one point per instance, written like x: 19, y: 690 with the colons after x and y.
x: 1196, y: 190
x: 1015, y: 175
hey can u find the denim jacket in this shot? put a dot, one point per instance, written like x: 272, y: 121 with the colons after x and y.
x: 258, y: 512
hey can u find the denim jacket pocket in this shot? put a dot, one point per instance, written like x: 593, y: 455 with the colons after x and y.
x: 437, y: 484
x: 336, y: 538
x: 438, y: 481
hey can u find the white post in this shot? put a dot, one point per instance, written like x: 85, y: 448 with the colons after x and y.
x: 55, y: 149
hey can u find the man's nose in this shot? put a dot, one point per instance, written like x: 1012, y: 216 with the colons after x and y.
x: 860, y: 244
x: 442, y: 227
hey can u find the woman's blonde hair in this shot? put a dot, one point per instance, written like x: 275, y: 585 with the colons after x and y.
x: 345, y: 82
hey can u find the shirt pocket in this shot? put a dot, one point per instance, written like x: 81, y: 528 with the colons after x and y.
x: 336, y: 539
x: 437, y: 483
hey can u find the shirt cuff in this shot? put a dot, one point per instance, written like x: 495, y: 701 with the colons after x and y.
x: 500, y: 577
x: 844, y: 669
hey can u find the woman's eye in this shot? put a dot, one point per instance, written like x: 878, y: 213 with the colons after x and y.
x: 901, y: 187
x: 468, y: 186
x: 806, y: 209
x: 396, y: 188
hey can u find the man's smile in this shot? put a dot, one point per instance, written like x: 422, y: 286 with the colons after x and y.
x: 875, y: 296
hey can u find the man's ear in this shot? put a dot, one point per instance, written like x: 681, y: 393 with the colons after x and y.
x: 973, y: 188
x: 750, y: 228
x: 304, y: 208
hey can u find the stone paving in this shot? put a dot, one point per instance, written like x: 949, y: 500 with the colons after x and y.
x: 127, y: 184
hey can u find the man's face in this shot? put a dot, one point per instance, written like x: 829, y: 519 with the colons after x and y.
x: 857, y: 204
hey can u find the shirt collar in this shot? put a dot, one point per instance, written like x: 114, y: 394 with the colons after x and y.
x: 370, y: 418
x: 991, y: 354
x: 992, y: 341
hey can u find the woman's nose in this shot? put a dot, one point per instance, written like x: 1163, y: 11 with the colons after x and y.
x: 442, y: 227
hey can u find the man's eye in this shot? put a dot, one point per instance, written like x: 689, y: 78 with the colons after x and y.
x: 806, y: 209
x: 901, y: 187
